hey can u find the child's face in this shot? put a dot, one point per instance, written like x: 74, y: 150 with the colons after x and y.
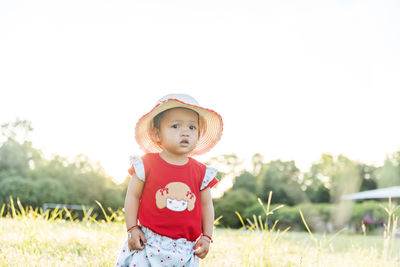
x: 179, y: 131
x: 176, y: 205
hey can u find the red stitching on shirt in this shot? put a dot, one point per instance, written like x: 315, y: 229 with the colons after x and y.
x: 162, y: 190
x: 189, y: 194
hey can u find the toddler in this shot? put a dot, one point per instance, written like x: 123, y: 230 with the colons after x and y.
x: 168, y: 206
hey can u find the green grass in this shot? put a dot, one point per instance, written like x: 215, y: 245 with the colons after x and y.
x: 37, y: 242
x: 35, y: 238
x: 28, y: 241
x: 297, y: 249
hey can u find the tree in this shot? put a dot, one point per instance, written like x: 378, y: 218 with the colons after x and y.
x: 282, y: 178
x: 50, y: 191
x: 388, y: 174
x: 19, y: 131
x: 17, y: 155
x: 321, y: 182
x: 229, y: 164
x: 346, y: 178
x: 258, y: 164
x: 341, y: 176
x: 368, y: 177
x: 17, y: 187
x: 26, y: 174
x: 14, y: 159
x: 245, y: 181
x: 314, y: 187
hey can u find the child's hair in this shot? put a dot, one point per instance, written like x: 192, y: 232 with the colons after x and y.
x: 175, y: 190
x: 157, y: 119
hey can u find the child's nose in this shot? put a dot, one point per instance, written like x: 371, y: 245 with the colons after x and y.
x: 185, y: 131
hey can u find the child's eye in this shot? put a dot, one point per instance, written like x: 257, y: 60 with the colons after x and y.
x: 192, y: 127
x: 175, y: 126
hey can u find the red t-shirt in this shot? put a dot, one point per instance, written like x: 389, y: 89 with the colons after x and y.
x: 170, y: 203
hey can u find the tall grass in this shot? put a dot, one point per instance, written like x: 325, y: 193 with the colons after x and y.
x: 58, y: 237
x: 389, y: 255
x: 390, y: 229
x: 31, y: 237
x: 60, y: 213
x: 257, y: 223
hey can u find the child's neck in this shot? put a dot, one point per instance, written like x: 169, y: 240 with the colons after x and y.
x: 174, y: 158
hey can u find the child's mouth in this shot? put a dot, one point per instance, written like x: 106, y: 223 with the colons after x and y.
x: 184, y: 143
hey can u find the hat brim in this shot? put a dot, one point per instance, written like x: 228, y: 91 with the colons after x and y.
x: 210, y: 121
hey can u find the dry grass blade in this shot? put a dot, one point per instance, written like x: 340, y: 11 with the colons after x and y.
x: 273, y: 226
x: 87, y: 214
x: 241, y: 219
x: 13, y: 211
x: 335, y: 235
x: 276, y: 208
x: 216, y: 221
x: 262, y: 205
x: 255, y: 221
x: 261, y: 223
x: 54, y: 214
x: 2, y: 210
x: 286, y: 229
x: 269, y: 203
x: 108, y: 218
x: 113, y: 214
x: 308, y: 229
x: 252, y: 226
x: 68, y: 214
x: 21, y: 208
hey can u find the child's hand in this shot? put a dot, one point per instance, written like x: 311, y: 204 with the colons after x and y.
x: 201, y: 247
x: 137, y: 240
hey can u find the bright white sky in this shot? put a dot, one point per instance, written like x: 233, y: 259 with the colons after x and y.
x: 292, y: 79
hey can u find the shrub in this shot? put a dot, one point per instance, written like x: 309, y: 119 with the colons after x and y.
x: 318, y: 215
x: 232, y: 201
x: 114, y: 198
x: 25, y: 189
x: 50, y: 191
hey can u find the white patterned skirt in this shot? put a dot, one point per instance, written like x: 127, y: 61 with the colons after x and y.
x: 159, y: 251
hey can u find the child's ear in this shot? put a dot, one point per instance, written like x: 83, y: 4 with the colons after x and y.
x: 155, y: 134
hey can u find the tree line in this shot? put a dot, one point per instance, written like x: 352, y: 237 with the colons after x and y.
x: 25, y: 173
x: 327, y: 180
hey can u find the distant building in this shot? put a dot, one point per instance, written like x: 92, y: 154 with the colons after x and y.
x: 383, y: 193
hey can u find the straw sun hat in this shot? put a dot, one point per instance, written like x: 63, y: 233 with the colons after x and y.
x: 211, y: 124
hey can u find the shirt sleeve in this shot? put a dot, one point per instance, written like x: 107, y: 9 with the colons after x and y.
x: 137, y: 167
x: 209, y: 179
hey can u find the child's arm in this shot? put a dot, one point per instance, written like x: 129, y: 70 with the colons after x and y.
x: 207, y: 219
x: 132, y: 199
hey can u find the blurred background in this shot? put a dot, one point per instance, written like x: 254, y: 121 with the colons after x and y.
x: 308, y: 91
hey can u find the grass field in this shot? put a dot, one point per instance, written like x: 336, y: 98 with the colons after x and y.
x: 26, y: 241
